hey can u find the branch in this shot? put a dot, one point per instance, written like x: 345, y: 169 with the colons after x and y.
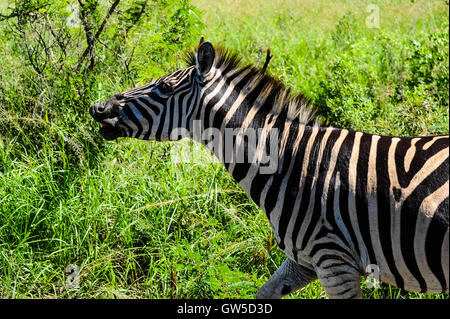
x: 125, y: 62
x: 91, y: 42
x: 30, y: 53
x: 57, y: 37
x: 17, y: 12
x: 259, y: 56
x: 268, y: 57
x: 87, y: 29
x: 110, y: 12
x: 131, y: 25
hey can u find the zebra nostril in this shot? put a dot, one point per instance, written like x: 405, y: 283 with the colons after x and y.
x: 101, y: 108
x: 98, y: 110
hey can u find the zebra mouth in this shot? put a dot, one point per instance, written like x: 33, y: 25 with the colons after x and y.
x: 107, y: 113
x: 110, y: 129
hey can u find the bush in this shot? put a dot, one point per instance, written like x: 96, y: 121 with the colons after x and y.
x: 398, y: 87
x: 61, y: 56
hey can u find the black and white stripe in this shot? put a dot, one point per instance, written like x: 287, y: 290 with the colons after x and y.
x: 339, y: 200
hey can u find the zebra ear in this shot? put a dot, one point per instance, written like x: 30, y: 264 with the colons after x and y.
x: 204, y: 58
x: 202, y: 39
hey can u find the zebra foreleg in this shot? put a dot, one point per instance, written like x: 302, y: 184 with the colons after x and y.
x: 288, y: 278
x: 340, y: 280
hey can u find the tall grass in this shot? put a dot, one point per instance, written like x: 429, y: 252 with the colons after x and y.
x: 139, y: 225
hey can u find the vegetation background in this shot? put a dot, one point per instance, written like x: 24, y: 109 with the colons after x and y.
x: 138, y: 225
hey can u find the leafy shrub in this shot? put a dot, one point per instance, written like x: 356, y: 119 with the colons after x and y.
x: 400, y: 87
x: 63, y: 56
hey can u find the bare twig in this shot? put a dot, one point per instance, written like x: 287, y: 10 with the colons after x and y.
x: 58, y: 37
x: 124, y: 59
x: 110, y: 49
x: 268, y: 57
x: 138, y: 17
x: 87, y: 30
x: 18, y: 13
x: 259, y: 56
x: 110, y: 12
x: 31, y: 52
x: 91, y: 41
x: 43, y: 44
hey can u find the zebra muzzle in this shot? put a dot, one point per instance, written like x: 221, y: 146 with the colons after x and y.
x: 110, y: 129
x: 107, y: 115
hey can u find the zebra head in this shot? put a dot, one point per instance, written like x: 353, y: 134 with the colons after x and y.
x: 160, y: 110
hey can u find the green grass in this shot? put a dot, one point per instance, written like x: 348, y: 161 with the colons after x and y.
x: 359, y: 77
x: 139, y: 225
x: 136, y: 226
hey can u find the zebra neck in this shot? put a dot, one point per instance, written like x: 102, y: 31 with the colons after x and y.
x: 267, y: 177
x: 255, y: 140
x: 258, y: 149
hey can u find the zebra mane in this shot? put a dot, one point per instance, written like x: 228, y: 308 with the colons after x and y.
x: 294, y: 105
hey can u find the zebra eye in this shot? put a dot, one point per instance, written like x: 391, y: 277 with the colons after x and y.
x: 165, y: 88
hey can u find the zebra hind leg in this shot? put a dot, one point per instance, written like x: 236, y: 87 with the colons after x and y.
x: 288, y: 278
x: 340, y: 280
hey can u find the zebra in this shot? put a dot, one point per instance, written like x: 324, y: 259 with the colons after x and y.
x: 339, y: 201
